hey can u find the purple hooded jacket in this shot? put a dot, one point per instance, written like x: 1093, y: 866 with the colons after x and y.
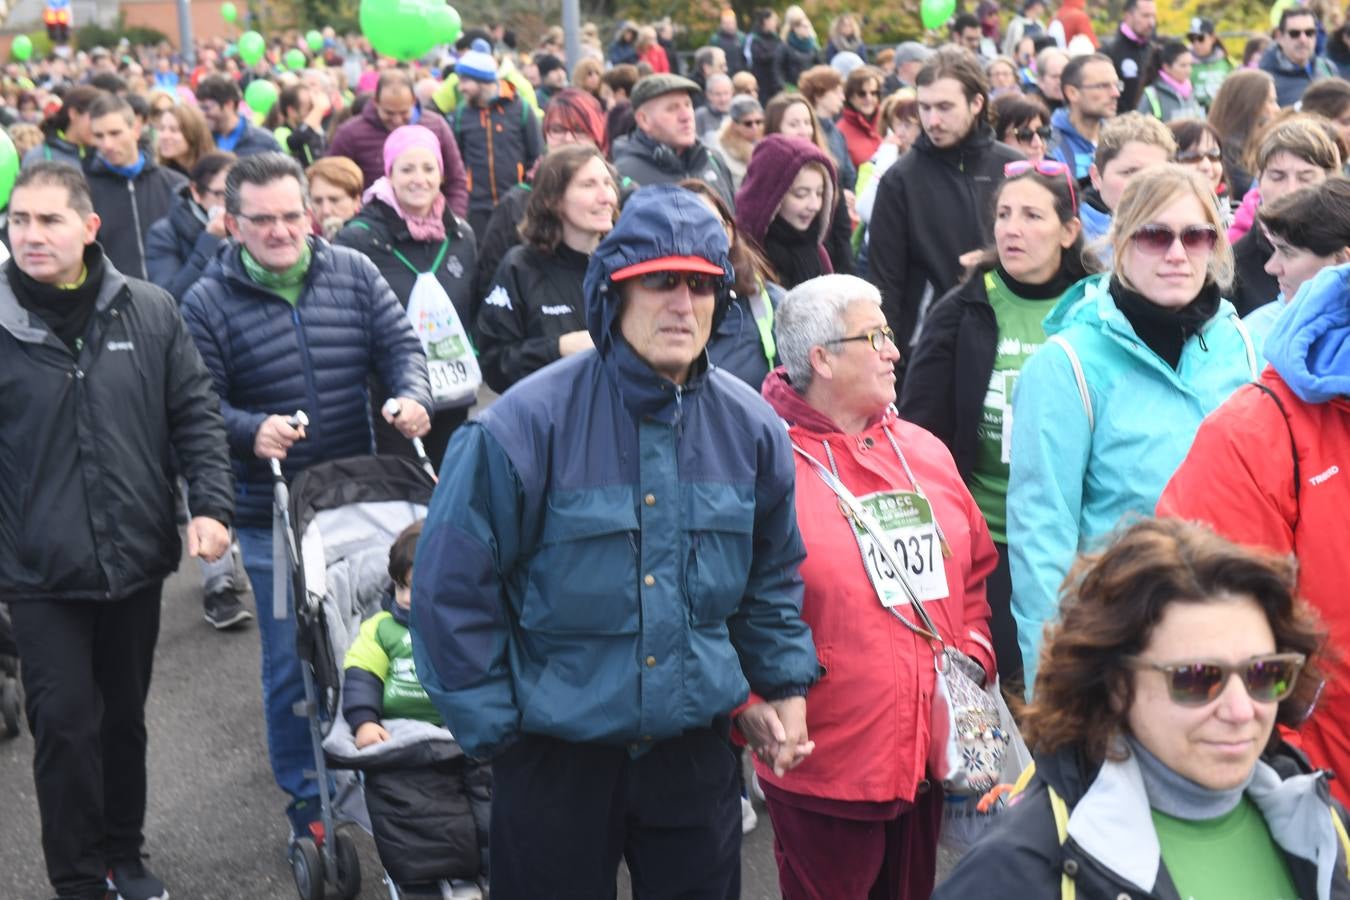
x: 361, y: 139
x: 773, y: 167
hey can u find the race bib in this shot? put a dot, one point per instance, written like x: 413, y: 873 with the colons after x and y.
x: 451, y: 362
x: 906, y: 519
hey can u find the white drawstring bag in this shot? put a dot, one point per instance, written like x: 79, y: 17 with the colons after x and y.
x: 451, y: 360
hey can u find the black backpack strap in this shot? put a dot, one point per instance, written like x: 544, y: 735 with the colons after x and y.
x: 1293, y: 444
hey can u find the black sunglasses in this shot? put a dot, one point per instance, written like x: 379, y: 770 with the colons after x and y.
x: 1191, y: 156
x: 1302, y: 32
x: 1157, y: 239
x: 1268, y: 679
x: 1025, y: 134
x: 700, y: 284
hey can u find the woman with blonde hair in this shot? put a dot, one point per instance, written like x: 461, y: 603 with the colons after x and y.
x: 1134, y: 361
x: 799, y: 49
x: 586, y: 76
x: 182, y: 137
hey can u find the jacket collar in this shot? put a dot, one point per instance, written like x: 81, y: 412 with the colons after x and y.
x: 232, y: 265
x: 1112, y: 821
x: 23, y: 327
x: 980, y: 139
x: 1310, y: 343
x: 793, y: 408
x: 647, y: 394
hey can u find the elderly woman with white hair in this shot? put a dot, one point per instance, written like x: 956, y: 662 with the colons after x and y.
x: 859, y: 817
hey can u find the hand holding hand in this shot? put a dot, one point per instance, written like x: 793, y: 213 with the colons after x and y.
x: 776, y: 732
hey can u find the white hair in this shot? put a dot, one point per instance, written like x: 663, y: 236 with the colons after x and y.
x: 812, y: 314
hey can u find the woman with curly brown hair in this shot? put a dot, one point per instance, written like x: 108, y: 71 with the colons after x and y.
x: 1159, y: 771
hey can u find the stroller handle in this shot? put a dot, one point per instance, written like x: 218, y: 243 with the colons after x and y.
x: 297, y: 420
x: 392, y: 407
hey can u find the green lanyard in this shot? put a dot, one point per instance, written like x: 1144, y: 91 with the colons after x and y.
x: 762, y: 308
x: 440, y: 257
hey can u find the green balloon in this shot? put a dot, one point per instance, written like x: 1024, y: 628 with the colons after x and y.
x: 445, y: 23
x: 314, y: 40
x: 260, y: 95
x: 398, y: 28
x: 295, y: 59
x: 935, y: 13
x: 229, y: 12
x: 251, y: 47
x: 9, y: 168
x: 21, y: 49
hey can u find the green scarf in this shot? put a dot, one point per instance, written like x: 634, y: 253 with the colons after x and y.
x: 287, y: 284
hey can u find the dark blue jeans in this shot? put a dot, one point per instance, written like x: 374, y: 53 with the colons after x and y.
x: 288, y: 740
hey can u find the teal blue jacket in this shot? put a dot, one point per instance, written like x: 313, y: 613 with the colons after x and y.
x: 1071, y: 482
x: 610, y: 557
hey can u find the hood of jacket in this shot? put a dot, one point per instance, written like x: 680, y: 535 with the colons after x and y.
x: 792, y: 407
x: 1059, y: 120
x: 664, y: 157
x: 1310, y: 343
x: 773, y: 167
x: 657, y: 221
x: 1274, y: 60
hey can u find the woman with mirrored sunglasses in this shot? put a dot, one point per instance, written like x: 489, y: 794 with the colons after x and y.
x: 1135, y: 359
x: 975, y: 342
x: 1159, y: 770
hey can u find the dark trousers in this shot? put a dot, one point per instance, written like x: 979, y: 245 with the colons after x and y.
x: 998, y: 591
x: 563, y: 814
x: 824, y: 857
x: 86, y: 673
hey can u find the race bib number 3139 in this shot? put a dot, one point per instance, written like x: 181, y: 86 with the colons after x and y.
x: 906, y: 520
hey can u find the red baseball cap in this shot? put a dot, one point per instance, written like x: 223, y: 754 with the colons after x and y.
x: 668, y: 264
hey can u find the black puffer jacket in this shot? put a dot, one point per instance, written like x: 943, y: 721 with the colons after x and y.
x: 86, y: 495
x: 178, y: 247
x: 129, y: 208
x: 534, y: 299
x: 1022, y: 856
x: 933, y: 205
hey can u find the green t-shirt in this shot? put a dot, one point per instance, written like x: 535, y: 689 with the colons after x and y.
x: 1021, y: 332
x: 1232, y: 857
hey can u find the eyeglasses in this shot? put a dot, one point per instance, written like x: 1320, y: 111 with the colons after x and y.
x: 700, y: 284
x: 559, y: 131
x: 1194, y: 156
x: 1302, y: 32
x: 1196, y: 38
x: 751, y: 123
x: 877, y: 337
x: 267, y: 220
x: 1157, y: 239
x: 865, y: 93
x: 1268, y: 679
x: 1103, y: 86
x: 1026, y: 134
x: 1050, y: 168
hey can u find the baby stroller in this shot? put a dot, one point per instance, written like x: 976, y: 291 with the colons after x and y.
x: 340, y: 519
x: 11, y: 690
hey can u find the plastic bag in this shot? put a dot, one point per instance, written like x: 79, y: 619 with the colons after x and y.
x: 451, y: 360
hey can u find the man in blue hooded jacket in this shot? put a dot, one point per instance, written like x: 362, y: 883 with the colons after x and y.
x: 609, y: 566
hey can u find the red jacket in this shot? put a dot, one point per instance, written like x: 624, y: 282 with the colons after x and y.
x: 1073, y: 16
x: 860, y: 134
x: 1239, y: 477
x: 869, y: 714
x: 655, y: 56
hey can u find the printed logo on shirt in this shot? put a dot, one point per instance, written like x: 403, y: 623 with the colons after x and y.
x: 499, y: 297
x: 121, y: 345
x: 1129, y: 68
x: 562, y: 310
x: 1323, y: 477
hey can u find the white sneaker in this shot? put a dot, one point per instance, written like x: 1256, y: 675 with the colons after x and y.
x: 749, y: 819
x: 465, y: 890
x: 755, y: 790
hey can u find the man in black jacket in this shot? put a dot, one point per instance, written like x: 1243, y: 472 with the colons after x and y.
x: 935, y: 203
x: 105, y: 384
x: 129, y: 191
x: 665, y: 147
x: 1132, y: 48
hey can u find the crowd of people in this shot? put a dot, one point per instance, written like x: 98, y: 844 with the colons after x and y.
x: 1013, y: 294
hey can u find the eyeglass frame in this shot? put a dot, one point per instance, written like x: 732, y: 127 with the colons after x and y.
x: 269, y: 220
x: 1098, y: 85
x: 877, y: 337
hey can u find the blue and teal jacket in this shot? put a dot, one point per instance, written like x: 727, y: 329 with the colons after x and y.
x: 610, y: 557
x: 1072, y: 481
x: 1070, y: 147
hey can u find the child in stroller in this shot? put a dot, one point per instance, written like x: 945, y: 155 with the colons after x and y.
x: 430, y: 820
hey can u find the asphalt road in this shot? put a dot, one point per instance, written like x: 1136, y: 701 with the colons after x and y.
x: 216, y: 827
